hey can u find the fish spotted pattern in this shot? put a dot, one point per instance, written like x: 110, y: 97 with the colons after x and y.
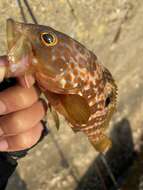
x: 74, y: 82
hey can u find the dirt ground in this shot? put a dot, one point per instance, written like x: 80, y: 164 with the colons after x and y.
x: 113, y: 29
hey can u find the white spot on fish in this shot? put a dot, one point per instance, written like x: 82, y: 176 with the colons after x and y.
x: 34, y: 61
x: 87, y: 87
x: 63, y: 58
x: 80, y: 93
x: 61, y: 69
x: 92, y: 102
x: 89, y: 96
x: 63, y: 82
x: 53, y: 57
x: 75, y: 85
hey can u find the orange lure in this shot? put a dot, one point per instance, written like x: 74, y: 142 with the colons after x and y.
x: 75, y: 84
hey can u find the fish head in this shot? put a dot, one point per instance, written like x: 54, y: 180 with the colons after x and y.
x: 52, y: 54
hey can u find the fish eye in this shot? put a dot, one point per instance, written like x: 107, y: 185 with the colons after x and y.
x: 49, y: 39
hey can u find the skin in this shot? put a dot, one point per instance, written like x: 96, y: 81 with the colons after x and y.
x: 20, y: 120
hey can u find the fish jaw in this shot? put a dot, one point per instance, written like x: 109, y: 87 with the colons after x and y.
x: 19, y: 50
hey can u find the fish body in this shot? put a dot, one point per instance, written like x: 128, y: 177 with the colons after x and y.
x: 74, y: 82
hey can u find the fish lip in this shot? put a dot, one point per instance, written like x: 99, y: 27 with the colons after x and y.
x: 10, y: 25
x: 14, y: 30
x: 10, y: 31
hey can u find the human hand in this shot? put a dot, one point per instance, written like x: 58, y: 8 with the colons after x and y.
x: 20, y: 114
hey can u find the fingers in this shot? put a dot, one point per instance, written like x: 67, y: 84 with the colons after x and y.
x: 26, y: 81
x: 20, y: 113
x: 21, y: 130
x: 22, y: 141
x: 21, y: 121
x: 3, y: 64
x: 16, y: 98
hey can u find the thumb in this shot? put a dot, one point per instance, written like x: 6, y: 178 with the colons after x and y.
x: 27, y: 80
x: 3, y: 64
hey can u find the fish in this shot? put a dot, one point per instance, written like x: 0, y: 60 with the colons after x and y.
x: 71, y: 77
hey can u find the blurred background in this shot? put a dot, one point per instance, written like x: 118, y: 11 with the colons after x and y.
x: 112, y: 29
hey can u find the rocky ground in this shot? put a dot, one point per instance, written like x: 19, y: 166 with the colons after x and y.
x: 113, y: 30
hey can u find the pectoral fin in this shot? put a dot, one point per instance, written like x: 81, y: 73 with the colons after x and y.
x: 77, y: 108
x: 73, y: 107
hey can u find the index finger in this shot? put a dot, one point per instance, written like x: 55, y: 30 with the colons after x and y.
x: 3, y: 65
x: 16, y: 98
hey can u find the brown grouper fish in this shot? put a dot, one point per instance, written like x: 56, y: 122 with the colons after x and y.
x: 76, y: 85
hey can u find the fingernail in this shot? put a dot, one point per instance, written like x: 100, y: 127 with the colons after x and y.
x: 2, y: 107
x: 1, y: 132
x: 3, y: 145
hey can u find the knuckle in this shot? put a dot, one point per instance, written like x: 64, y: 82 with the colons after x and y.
x: 16, y: 122
x: 26, y: 142
x: 25, y: 100
x: 27, y: 96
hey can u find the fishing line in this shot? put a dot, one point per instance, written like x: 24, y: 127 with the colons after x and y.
x: 21, y: 11
x: 101, y: 155
x: 100, y: 176
x: 29, y: 11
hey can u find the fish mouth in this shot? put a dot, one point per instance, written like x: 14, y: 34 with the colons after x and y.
x: 14, y: 31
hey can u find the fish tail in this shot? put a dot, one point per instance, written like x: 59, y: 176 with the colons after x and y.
x: 98, y: 139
